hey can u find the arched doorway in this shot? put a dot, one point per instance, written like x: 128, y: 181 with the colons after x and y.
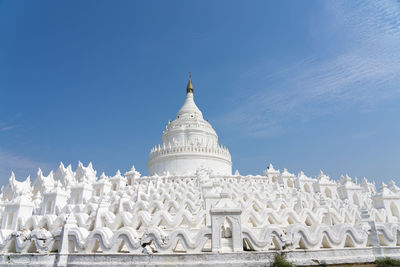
x: 355, y: 199
x: 226, y: 236
x: 328, y: 193
x: 307, y: 188
x: 395, y: 211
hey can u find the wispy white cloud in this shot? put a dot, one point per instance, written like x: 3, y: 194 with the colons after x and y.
x: 6, y: 128
x: 364, y: 73
x: 363, y: 134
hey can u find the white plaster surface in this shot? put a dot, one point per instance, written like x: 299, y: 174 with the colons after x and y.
x: 188, y: 143
x: 191, y: 210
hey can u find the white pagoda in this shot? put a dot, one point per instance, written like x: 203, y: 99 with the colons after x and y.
x: 189, y: 143
x: 191, y: 210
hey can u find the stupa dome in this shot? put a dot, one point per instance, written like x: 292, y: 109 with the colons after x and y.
x: 188, y: 143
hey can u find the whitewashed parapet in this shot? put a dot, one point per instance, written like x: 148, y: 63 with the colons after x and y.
x: 173, y: 214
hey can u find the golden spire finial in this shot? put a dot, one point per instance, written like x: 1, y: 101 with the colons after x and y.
x: 189, y: 87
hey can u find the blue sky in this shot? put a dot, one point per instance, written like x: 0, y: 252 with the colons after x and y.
x: 304, y: 85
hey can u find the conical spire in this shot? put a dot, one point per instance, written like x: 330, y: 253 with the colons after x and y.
x: 189, y: 87
x: 189, y: 107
